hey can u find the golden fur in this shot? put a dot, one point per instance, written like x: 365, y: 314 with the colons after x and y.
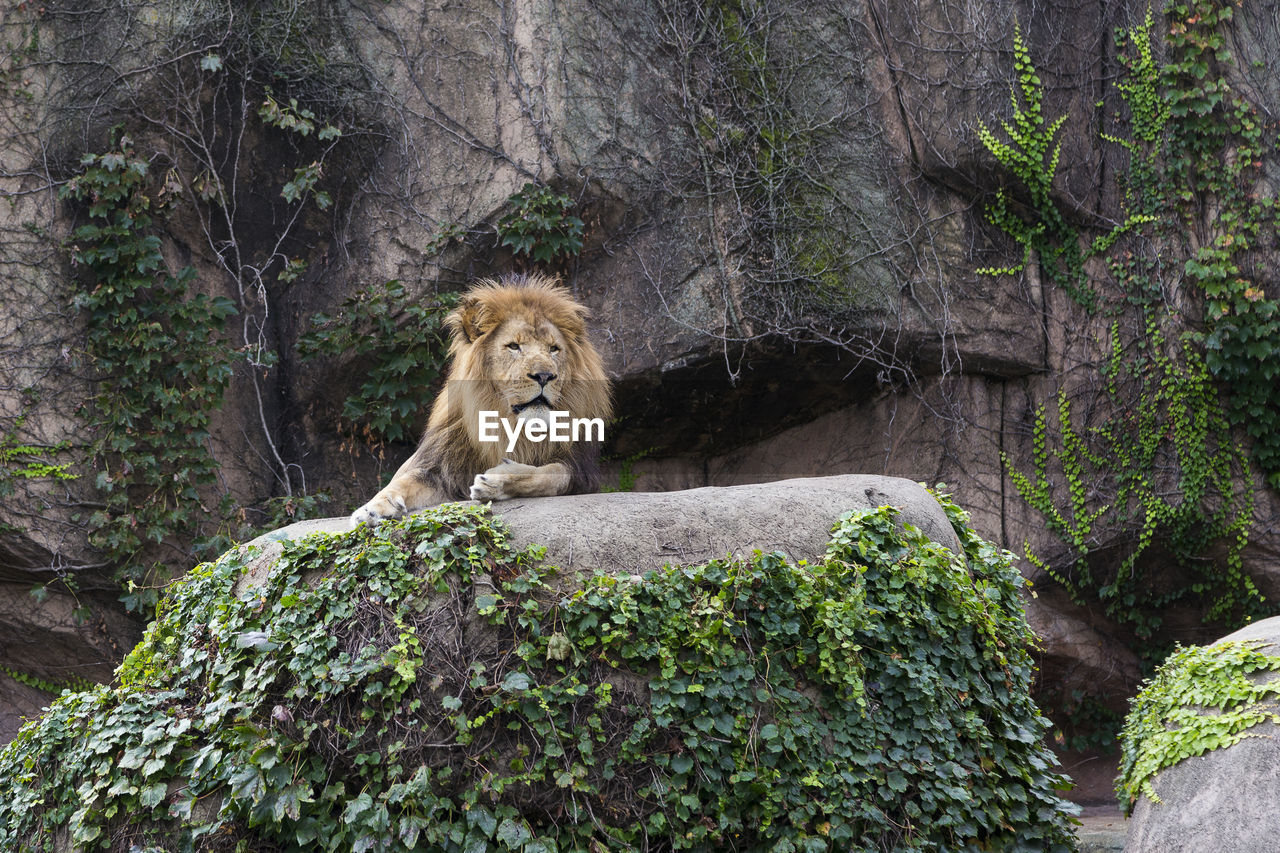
x: 512, y: 341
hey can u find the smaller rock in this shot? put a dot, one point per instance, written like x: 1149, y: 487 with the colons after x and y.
x: 1102, y: 830
x: 1225, y: 799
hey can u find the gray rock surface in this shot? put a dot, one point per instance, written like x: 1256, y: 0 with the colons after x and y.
x: 1225, y: 800
x: 634, y: 532
x: 1102, y: 830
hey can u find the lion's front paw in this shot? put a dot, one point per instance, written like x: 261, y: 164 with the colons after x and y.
x: 496, y: 483
x: 377, y: 510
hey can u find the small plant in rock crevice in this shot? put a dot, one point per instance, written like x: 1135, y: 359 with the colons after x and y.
x: 541, y: 225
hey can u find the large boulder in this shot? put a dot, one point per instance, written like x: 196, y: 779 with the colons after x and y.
x: 642, y: 531
x: 1216, y: 712
x: 437, y: 683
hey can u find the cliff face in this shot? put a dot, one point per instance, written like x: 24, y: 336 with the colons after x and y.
x: 785, y: 208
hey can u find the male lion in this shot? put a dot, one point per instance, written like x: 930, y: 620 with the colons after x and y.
x: 518, y: 347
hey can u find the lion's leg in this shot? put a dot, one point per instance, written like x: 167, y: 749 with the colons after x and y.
x: 516, y: 480
x: 407, y: 492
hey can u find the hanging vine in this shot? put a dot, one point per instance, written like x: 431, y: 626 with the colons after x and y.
x: 161, y: 362
x: 1162, y: 464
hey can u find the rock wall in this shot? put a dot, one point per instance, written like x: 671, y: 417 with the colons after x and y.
x: 745, y: 347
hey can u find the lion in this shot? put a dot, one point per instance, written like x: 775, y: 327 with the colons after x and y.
x: 518, y: 348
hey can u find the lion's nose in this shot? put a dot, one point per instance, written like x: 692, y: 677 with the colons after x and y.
x: 542, y: 377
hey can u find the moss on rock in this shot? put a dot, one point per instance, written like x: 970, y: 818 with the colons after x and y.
x: 430, y: 692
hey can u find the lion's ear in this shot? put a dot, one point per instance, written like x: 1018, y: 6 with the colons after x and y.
x: 469, y: 320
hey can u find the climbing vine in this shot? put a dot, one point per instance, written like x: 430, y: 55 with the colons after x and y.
x: 876, y: 698
x: 162, y: 365
x: 1216, y: 139
x: 20, y: 461
x: 53, y: 688
x: 1162, y: 462
x: 162, y: 355
x: 1171, y: 420
x: 1031, y: 155
x: 231, y: 153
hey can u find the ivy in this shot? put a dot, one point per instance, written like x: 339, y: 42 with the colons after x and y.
x: 1031, y: 155
x: 23, y: 461
x: 1195, y: 143
x: 1162, y: 463
x: 155, y: 345
x: 402, y: 341
x: 54, y: 688
x: 292, y: 118
x: 1200, y: 699
x: 30, y: 461
x: 1214, y: 148
x: 1142, y: 90
x: 1172, y: 420
x: 875, y: 699
x: 627, y: 475
x: 152, y: 339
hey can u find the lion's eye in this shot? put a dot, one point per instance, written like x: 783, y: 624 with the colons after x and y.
x: 554, y: 348
x: 513, y: 346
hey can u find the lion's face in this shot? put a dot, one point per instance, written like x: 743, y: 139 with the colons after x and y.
x: 520, y: 348
x: 527, y: 360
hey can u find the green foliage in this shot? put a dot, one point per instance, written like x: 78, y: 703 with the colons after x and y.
x: 293, y: 118
x: 1083, y: 723
x: 162, y: 366
x: 1200, y: 699
x: 29, y: 461
x: 540, y: 225
x: 1163, y: 463
x: 23, y: 461
x: 1214, y: 146
x: 52, y: 687
x: 1198, y: 142
x: 210, y: 84
x: 1172, y: 421
x: 876, y: 699
x: 1142, y: 89
x: 626, y: 472
x: 298, y: 120
x: 1031, y: 155
x: 1194, y: 139
x: 404, y: 341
